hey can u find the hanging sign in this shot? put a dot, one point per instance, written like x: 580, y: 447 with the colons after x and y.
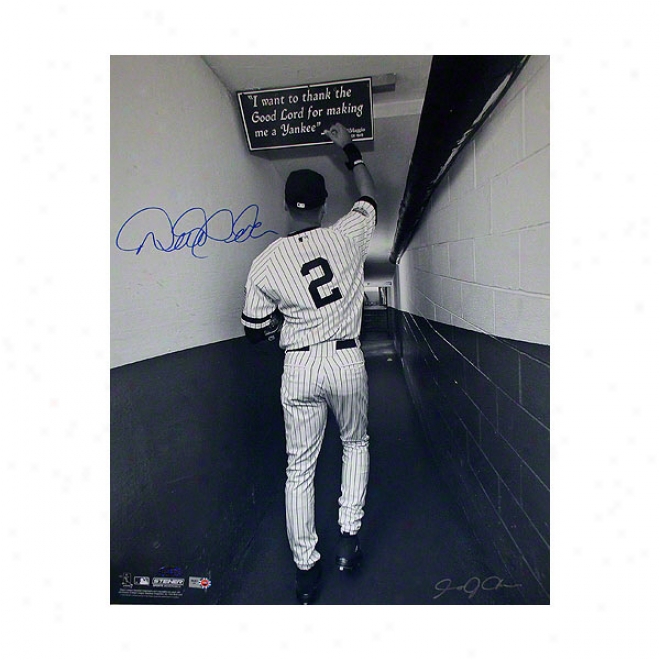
x: 297, y: 116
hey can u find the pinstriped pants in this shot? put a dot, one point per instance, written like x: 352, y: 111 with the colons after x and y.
x: 312, y: 382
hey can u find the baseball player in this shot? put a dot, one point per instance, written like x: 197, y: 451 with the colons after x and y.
x: 309, y: 288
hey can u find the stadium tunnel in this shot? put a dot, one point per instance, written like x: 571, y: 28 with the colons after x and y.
x: 455, y: 333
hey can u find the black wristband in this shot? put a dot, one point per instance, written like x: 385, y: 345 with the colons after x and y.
x: 353, y: 154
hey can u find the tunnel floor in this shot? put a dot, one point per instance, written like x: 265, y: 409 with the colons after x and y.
x: 418, y: 546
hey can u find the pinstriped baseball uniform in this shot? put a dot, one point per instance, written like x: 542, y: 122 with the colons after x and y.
x: 316, y: 279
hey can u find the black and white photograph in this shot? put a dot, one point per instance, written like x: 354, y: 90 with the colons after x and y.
x: 330, y: 329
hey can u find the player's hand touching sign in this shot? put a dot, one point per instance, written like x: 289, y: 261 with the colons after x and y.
x: 338, y: 134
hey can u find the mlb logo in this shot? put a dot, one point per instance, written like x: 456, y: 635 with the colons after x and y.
x: 141, y: 581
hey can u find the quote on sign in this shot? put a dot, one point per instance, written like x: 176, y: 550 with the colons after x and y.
x: 297, y: 116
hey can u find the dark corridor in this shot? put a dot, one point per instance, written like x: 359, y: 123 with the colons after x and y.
x: 414, y: 535
x: 197, y: 480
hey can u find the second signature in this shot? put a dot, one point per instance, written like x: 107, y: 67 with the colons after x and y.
x: 473, y: 586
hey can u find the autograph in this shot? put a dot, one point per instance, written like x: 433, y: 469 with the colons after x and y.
x: 192, y: 229
x: 472, y: 586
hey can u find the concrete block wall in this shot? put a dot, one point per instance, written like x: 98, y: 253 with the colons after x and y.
x: 472, y: 330
x: 484, y: 406
x: 480, y: 258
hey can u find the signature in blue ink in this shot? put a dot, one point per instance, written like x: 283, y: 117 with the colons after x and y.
x: 191, y: 230
x: 472, y: 586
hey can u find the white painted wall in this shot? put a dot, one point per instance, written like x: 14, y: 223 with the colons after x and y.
x: 481, y: 256
x: 177, y: 144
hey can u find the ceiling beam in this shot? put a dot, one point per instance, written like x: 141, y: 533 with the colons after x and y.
x: 462, y: 91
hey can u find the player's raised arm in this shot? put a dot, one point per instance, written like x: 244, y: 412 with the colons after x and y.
x: 363, y: 180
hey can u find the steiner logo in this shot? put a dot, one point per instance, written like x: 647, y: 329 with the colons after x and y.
x: 171, y: 582
x: 199, y: 583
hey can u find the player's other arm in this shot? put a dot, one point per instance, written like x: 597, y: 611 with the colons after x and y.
x: 268, y: 327
x: 260, y: 318
x: 363, y: 179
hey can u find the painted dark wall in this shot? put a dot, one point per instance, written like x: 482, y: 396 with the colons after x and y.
x: 494, y: 397
x: 197, y: 454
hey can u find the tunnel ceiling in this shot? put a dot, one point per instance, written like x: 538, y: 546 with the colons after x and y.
x: 397, y: 158
x: 396, y: 117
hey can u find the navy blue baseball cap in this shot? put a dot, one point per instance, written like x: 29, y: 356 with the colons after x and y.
x: 305, y: 189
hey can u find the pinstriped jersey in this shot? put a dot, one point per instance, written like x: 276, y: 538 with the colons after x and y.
x: 316, y: 279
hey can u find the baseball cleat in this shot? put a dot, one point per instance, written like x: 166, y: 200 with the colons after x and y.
x: 349, y: 554
x: 308, y: 583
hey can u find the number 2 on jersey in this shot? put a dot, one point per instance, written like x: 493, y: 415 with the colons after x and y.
x: 316, y: 283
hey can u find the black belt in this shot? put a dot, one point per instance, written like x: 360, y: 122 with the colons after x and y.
x: 341, y: 344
